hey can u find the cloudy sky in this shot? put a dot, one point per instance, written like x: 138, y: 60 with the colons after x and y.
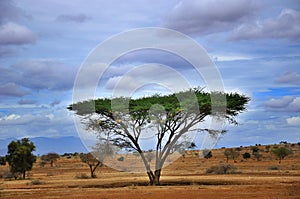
x: 254, y: 43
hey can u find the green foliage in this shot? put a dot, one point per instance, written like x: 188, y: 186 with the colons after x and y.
x: 281, y: 152
x: 246, y: 155
x: 20, y: 156
x: 2, y: 160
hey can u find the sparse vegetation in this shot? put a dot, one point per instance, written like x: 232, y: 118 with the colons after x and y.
x: 72, y: 176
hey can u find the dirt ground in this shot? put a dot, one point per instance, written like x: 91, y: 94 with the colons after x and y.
x: 184, y: 178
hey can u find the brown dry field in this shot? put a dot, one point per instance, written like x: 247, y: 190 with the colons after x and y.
x: 184, y: 178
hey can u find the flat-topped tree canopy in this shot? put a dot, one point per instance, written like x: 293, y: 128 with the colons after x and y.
x: 122, y: 120
x: 190, y: 101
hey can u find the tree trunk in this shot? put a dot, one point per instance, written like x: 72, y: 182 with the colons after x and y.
x: 24, y: 174
x: 157, y: 177
x: 151, y: 177
x: 92, y: 171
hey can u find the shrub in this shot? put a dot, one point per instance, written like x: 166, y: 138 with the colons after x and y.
x: 221, y: 169
x: 121, y: 159
x: 82, y: 176
x: 246, y: 155
x: 273, y: 168
x: 36, y: 182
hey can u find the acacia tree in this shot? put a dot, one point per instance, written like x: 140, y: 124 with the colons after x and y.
x: 281, y: 153
x: 92, y: 161
x: 20, y: 157
x: 170, y: 116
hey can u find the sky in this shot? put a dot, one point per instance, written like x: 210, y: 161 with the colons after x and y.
x: 254, y: 45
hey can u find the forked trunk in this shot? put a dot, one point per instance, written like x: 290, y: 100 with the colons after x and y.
x: 154, y: 179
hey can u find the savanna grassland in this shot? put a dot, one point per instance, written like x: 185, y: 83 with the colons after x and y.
x: 190, y: 176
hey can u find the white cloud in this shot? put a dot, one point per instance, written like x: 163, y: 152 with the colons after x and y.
x: 11, y: 117
x: 15, y: 34
x: 293, y: 121
x: 284, y: 104
x: 279, y: 103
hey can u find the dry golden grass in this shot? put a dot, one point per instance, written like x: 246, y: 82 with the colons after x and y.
x: 184, y: 178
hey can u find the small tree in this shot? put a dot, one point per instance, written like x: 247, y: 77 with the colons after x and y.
x: 246, y: 155
x: 95, y: 158
x: 281, y: 153
x: 50, y: 157
x: 227, y: 154
x: 91, y: 161
x: 231, y: 153
x: 20, y: 157
x: 207, y: 153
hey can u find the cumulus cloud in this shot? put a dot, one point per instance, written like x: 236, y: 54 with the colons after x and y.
x: 286, y: 25
x: 14, y: 119
x: 12, y: 89
x: 293, y: 121
x: 289, y: 78
x: 15, y: 34
x: 206, y: 16
x: 79, y: 18
x: 286, y: 103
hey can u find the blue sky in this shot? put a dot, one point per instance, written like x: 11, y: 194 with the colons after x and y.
x: 255, y: 45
